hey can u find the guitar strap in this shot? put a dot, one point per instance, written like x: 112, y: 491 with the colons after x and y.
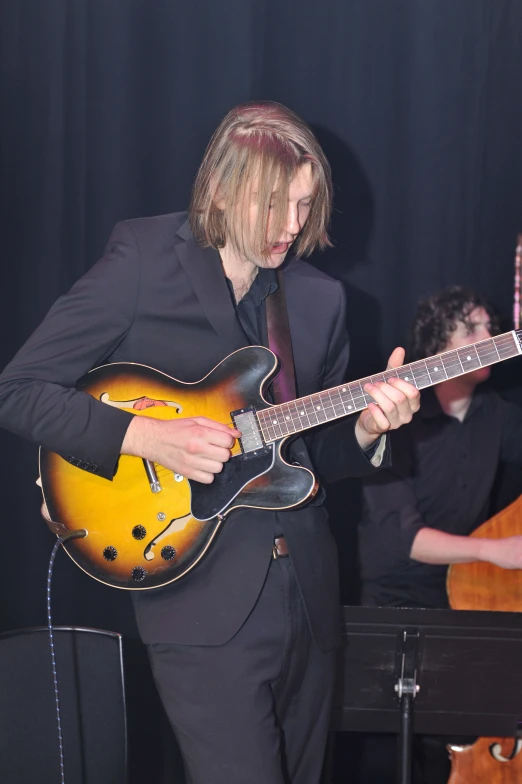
x: 280, y: 342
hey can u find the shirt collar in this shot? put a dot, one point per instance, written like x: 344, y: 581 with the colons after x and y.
x: 264, y: 284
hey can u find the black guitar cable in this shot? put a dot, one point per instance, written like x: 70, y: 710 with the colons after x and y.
x: 80, y: 534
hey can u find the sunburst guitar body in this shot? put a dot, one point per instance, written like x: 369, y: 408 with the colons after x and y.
x: 149, y: 526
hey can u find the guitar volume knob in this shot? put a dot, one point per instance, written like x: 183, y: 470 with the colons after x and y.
x: 110, y: 553
x: 138, y: 574
x: 168, y: 552
x: 139, y: 532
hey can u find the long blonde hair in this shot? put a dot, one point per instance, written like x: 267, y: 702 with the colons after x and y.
x: 259, y: 144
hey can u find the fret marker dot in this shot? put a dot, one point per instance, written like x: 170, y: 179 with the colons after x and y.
x: 349, y: 408
x: 468, y: 358
x: 274, y: 421
x: 343, y: 389
x: 406, y: 378
x: 287, y: 417
x: 435, y: 369
x: 318, y: 408
x: 302, y: 413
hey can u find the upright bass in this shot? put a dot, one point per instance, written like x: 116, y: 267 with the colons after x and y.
x: 483, y: 586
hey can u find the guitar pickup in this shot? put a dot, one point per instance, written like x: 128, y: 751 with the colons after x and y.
x: 251, y: 441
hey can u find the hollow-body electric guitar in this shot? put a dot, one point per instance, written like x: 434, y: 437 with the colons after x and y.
x: 150, y: 526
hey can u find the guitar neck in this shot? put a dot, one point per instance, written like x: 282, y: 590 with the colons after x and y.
x: 304, y: 413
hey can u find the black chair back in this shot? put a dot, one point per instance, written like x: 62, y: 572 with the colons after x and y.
x: 92, y: 705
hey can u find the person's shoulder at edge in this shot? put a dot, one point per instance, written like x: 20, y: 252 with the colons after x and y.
x: 160, y: 231
x: 152, y: 237
x: 169, y: 221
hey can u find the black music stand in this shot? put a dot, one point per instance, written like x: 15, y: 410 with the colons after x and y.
x: 438, y: 672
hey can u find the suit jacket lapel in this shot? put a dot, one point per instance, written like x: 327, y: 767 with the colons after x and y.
x: 203, y: 269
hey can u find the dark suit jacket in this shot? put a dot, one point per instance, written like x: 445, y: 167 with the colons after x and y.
x: 159, y: 299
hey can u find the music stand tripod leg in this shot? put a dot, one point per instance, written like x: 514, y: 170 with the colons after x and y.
x: 406, y: 689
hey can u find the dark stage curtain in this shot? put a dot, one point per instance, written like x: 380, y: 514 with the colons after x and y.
x: 106, y: 107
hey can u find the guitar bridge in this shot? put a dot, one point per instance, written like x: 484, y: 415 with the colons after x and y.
x: 251, y: 441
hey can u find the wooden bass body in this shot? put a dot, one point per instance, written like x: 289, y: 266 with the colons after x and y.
x: 487, y: 761
x: 484, y: 586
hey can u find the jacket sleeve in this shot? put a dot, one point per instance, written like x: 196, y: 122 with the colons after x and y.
x: 37, y: 396
x: 335, y: 451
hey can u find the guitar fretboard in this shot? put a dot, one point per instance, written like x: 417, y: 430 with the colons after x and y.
x: 306, y: 412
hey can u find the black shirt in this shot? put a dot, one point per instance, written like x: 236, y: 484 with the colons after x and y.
x: 442, y: 475
x: 250, y: 313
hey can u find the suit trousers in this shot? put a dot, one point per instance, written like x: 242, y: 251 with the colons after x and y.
x: 255, y: 710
